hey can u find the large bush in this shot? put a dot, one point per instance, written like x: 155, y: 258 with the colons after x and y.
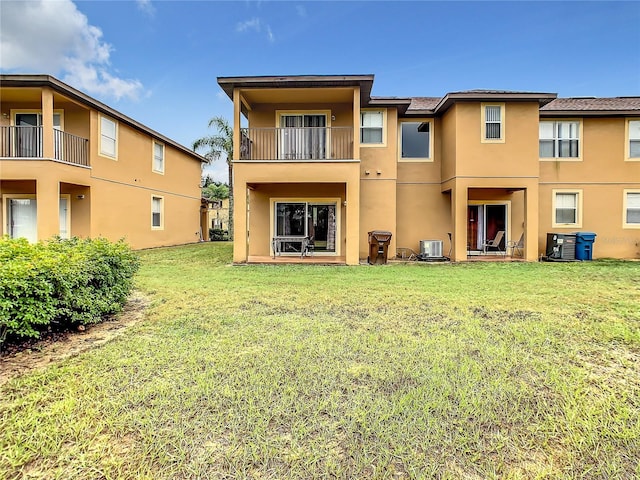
x: 61, y: 283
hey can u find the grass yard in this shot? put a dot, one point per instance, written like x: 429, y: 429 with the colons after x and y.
x: 482, y: 370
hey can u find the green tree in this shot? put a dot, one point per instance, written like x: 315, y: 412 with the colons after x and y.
x: 216, y: 146
x: 215, y: 191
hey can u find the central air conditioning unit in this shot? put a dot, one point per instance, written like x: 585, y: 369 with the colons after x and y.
x: 431, y: 248
x: 561, y: 246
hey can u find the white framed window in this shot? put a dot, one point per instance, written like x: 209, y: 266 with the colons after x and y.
x: 493, y: 123
x: 108, y: 137
x: 372, y: 123
x: 559, y: 139
x: 415, y: 141
x: 631, y: 210
x: 633, y: 140
x: 157, y: 213
x: 567, y: 208
x: 158, y: 157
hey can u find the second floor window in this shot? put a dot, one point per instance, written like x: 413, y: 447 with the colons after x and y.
x: 158, y: 157
x: 371, y: 127
x: 559, y: 139
x: 493, y: 122
x: 414, y: 143
x: 108, y: 137
x: 634, y: 139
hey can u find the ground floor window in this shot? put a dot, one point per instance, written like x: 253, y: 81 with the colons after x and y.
x: 157, y: 209
x: 632, y: 209
x: 316, y: 220
x: 566, y: 208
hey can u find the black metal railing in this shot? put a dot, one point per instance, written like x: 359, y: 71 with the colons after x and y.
x: 27, y: 142
x: 297, y: 143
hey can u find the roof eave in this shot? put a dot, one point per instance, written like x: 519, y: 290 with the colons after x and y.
x: 365, y: 82
x: 451, y: 98
x: 43, y: 80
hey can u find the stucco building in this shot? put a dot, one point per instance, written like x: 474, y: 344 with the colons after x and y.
x: 72, y: 166
x: 323, y: 158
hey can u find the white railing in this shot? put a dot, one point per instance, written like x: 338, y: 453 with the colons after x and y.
x: 297, y: 143
x: 27, y: 142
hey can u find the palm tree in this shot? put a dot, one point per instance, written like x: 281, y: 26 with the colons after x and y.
x: 218, y: 145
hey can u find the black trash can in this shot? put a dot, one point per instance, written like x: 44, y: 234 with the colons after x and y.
x: 379, y: 241
x: 584, y: 245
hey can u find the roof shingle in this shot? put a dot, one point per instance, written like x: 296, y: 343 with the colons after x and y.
x: 592, y: 104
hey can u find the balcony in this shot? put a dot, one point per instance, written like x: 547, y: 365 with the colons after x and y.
x: 27, y: 142
x: 297, y: 144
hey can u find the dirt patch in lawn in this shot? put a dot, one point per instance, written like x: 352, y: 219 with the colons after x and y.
x: 55, y: 346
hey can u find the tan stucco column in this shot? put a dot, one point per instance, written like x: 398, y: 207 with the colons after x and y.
x: 48, y: 208
x: 531, y: 222
x: 240, y: 222
x: 352, y: 256
x: 47, y: 123
x: 459, y: 200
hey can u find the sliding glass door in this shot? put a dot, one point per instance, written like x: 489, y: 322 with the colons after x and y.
x: 303, y: 137
x: 316, y: 220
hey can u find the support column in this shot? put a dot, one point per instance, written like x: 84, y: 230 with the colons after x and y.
x: 47, y: 123
x: 459, y: 200
x: 240, y: 239
x: 48, y: 208
x: 352, y: 256
x: 356, y: 123
x: 237, y: 105
x: 531, y: 222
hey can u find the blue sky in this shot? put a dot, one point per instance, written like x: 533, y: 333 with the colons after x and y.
x: 157, y: 61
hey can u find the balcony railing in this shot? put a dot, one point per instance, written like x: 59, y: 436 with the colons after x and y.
x: 297, y: 143
x: 27, y: 142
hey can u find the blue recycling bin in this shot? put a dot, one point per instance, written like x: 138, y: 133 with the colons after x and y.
x: 584, y: 245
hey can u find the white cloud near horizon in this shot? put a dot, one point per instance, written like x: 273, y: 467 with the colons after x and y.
x: 69, y: 47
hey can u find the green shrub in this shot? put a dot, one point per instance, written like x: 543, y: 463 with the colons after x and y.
x: 61, y: 282
x: 217, y: 234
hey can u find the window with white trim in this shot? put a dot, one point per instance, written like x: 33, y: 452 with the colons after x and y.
x: 415, y: 140
x: 157, y: 208
x: 108, y: 137
x: 566, y: 207
x: 493, y: 119
x: 634, y: 139
x: 371, y: 127
x: 632, y: 209
x: 158, y: 157
x: 559, y: 139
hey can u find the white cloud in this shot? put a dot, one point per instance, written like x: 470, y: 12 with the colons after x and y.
x: 146, y: 7
x: 253, y: 24
x: 69, y: 46
x: 256, y: 24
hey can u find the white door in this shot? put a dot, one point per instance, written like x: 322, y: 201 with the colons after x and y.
x: 64, y: 217
x: 21, y: 218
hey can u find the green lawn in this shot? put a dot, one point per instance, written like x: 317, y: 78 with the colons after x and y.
x: 399, y: 371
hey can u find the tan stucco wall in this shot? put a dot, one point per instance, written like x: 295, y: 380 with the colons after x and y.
x: 601, y: 175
